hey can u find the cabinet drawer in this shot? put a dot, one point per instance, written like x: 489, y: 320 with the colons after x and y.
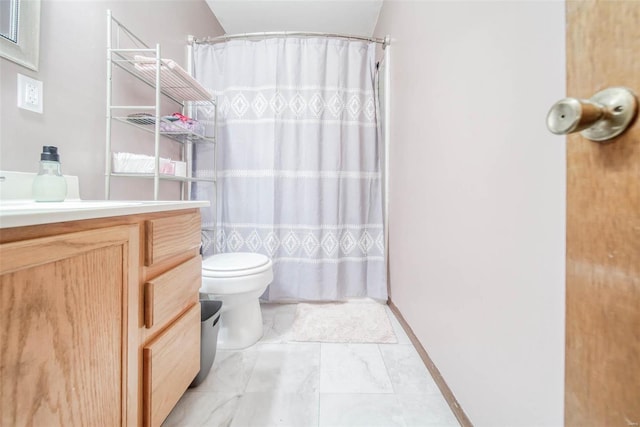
x: 166, y: 237
x: 166, y: 296
x: 171, y: 361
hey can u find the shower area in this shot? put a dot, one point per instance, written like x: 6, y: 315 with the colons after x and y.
x: 300, y: 161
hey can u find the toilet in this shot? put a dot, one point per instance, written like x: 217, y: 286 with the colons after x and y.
x: 238, y: 280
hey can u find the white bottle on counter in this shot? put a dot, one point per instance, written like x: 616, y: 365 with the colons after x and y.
x: 49, y: 185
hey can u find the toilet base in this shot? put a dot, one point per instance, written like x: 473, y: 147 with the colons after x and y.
x: 238, y: 280
x: 240, y: 325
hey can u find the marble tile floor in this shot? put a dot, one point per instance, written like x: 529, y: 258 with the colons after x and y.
x: 279, y: 382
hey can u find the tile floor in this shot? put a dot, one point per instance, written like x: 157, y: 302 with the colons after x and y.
x: 279, y: 382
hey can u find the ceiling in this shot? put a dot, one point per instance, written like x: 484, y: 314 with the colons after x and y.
x: 353, y: 17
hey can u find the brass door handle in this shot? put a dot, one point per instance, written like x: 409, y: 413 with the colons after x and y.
x: 606, y: 115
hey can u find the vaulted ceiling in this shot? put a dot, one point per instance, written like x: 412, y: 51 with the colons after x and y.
x: 354, y: 17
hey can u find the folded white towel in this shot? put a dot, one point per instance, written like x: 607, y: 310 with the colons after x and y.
x: 174, y: 79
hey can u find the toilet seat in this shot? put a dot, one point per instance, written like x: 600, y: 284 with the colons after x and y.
x: 236, y: 264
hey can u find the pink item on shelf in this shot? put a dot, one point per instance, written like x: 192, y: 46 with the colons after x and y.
x: 168, y: 168
x: 183, y: 125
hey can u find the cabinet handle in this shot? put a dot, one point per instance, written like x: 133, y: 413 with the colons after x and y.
x: 148, y: 305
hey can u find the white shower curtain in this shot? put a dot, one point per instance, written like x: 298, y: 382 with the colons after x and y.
x: 298, y: 164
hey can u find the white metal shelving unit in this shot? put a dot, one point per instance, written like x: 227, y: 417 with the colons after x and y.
x: 128, y: 52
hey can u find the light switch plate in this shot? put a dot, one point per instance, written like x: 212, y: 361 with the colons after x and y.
x: 30, y: 94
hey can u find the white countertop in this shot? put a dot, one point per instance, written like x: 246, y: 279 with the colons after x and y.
x: 22, y: 213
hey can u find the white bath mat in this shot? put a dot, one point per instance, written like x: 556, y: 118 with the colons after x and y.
x: 349, y: 322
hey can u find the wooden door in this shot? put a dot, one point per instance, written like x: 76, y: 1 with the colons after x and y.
x: 602, y: 379
x: 63, y: 334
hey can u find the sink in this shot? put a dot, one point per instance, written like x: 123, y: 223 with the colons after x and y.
x: 17, y: 208
x: 22, y: 206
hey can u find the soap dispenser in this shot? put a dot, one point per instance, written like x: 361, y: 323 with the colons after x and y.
x: 49, y: 185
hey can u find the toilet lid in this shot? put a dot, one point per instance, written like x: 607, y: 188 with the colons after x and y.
x: 238, y: 263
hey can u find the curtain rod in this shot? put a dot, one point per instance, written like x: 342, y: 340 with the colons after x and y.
x: 220, y: 39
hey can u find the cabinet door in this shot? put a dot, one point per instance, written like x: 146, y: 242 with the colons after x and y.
x: 171, y: 362
x: 63, y: 334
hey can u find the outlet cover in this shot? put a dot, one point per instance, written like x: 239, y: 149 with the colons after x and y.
x: 30, y: 94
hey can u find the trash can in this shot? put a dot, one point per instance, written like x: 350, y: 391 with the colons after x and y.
x: 209, y: 325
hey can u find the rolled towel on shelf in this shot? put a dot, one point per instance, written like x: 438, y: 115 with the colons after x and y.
x: 140, y: 163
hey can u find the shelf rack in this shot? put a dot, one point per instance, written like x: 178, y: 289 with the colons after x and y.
x: 128, y: 52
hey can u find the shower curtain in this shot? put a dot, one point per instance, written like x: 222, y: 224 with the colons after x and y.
x: 298, y: 162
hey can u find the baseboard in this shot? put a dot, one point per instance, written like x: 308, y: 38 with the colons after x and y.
x: 433, y: 370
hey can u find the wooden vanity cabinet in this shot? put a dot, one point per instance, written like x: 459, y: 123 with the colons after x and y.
x: 65, y: 330
x: 75, y: 345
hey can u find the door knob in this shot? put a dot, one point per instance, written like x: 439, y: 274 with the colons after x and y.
x: 606, y: 115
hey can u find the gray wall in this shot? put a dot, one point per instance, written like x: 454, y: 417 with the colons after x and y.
x: 477, y: 194
x: 73, y: 69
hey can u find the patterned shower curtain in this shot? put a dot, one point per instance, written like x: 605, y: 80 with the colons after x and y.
x: 298, y: 163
